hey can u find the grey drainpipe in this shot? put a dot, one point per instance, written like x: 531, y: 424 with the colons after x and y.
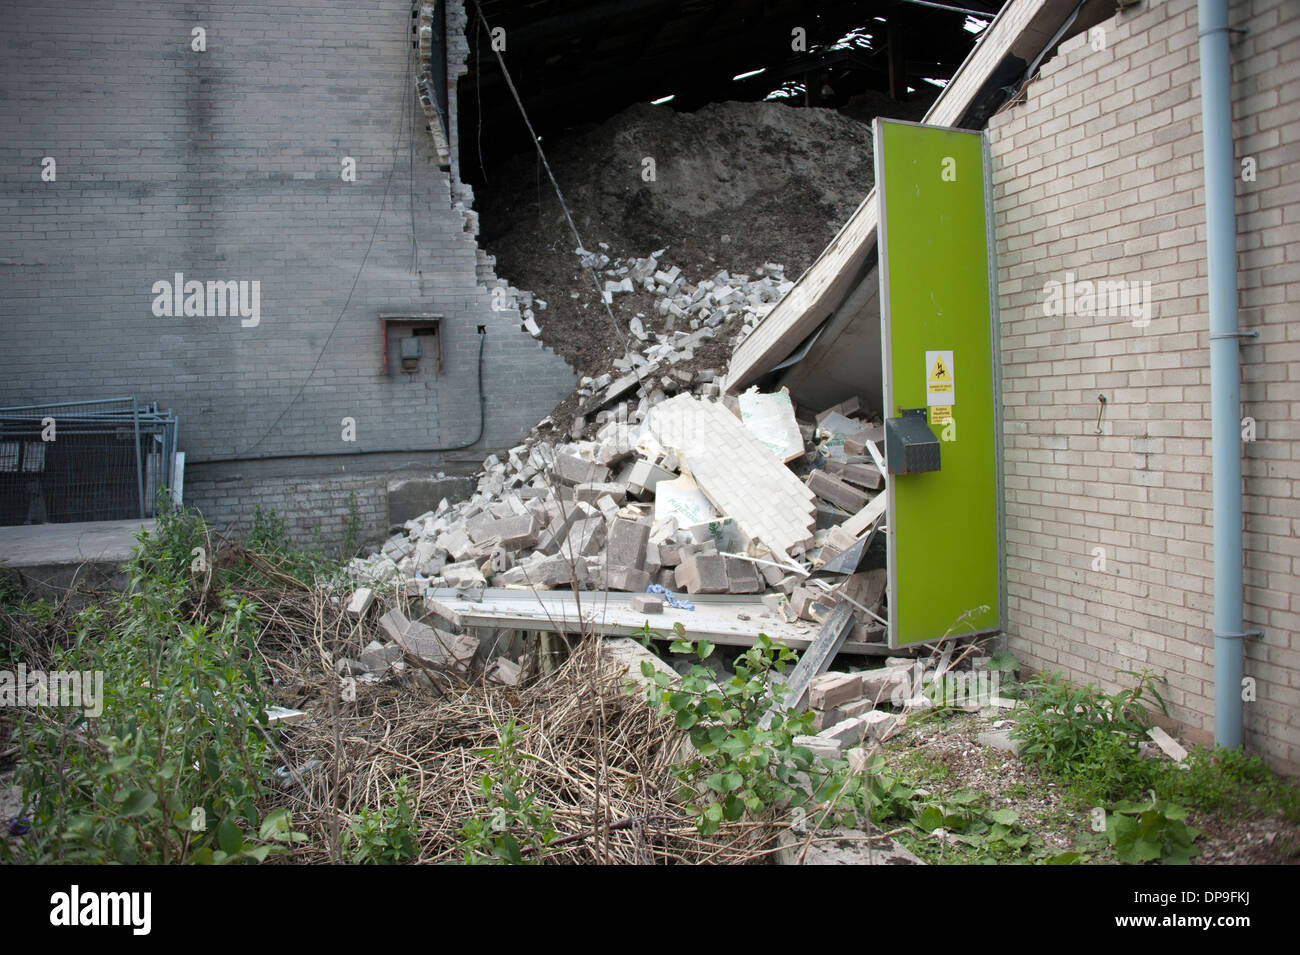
x: 1225, y: 365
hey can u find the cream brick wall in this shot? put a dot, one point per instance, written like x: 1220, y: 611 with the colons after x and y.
x: 1098, y: 172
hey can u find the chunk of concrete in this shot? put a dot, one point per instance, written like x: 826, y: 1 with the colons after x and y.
x: 465, y: 575
x: 505, y: 671
x: 822, y: 747
x: 887, y: 684
x: 517, y: 532
x: 862, y: 474
x: 829, y: 690
x: 645, y: 603
x: 573, y: 470
x: 881, y: 725
x: 830, y: 488
x: 626, y: 579
x: 456, y: 543
x: 847, y: 732
x: 742, y: 578
x: 361, y: 600
x: 645, y: 477
x: 593, y: 492
x: 842, y: 847
x: 626, y: 545
x: 438, y: 648
x: 999, y: 739
x: 586, y: 538
x: 378, y: 657
x: 703, y: 574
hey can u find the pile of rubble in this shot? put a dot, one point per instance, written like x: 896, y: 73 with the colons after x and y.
x: 661, y: 485
x: 680, y: 306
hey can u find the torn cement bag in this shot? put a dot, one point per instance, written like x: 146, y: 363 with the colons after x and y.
x: 771, y: 418
x: 683, y: 500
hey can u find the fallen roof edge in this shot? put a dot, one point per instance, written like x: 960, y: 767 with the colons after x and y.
x: 829, y: 279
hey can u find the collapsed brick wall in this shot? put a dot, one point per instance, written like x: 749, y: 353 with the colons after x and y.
x: 226, y: 164
x: 1099, y: 173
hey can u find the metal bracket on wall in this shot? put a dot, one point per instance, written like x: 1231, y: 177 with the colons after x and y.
x: 1239, y: 636
x: 1253, y: 333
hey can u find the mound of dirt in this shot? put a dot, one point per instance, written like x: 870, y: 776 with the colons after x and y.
x: 734, y: 185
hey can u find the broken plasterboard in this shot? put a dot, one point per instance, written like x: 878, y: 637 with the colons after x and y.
x: 771, y: 418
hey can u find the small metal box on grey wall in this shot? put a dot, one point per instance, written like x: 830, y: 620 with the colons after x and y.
x: 910, y: 446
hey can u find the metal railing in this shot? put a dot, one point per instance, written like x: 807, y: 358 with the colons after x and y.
x: 100, y: 460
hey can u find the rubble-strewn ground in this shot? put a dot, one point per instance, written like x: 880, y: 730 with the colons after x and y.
x: 942, y: 752
x: 736, y: 185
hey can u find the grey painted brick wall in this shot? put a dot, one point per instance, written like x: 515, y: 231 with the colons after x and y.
x: 225, y: 165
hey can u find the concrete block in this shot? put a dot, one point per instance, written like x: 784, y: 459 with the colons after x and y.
x: 855, y: 709
x: 809, y: 604
x: 645, y: 477
x: 516, y: 533
x: 438, y: 648
x: 456, y: 543
x: 627, y: 579
x: 771, y: 575
x: 742, y: 578
x: 830, y: 488
x: 856, y: 444
x: 378, y: 657
x: 626, y: 545
x: 822, y: 747
x: 867, y: 588
x: 841, y: 847
x: 465, y: 575
x: 997, y: 739
x: 505, y: 671
x: 830, y: 690
x: 573, y: 470
x: 847, y: 732
x: 551, y: 571
x: 593, y: 492
x: 881, y: 725
x: 479, y: 527
x: 859, y: 474
x: 361, y: 601
x: 585, y: 538
x: 549, y: 540
x: 645, y: 603
x: 887, y: 683
x: 703, y: 574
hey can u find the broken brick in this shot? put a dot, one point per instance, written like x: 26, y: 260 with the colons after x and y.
x: 702, y: 574
x: 626, y: 544
x: 830, y: 488
x: 829, y: 690
x: 644, y: 603
x: 742, y: 578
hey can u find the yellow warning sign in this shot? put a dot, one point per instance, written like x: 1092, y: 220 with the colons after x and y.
x: 940, y: 414
x: 940, y: 383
